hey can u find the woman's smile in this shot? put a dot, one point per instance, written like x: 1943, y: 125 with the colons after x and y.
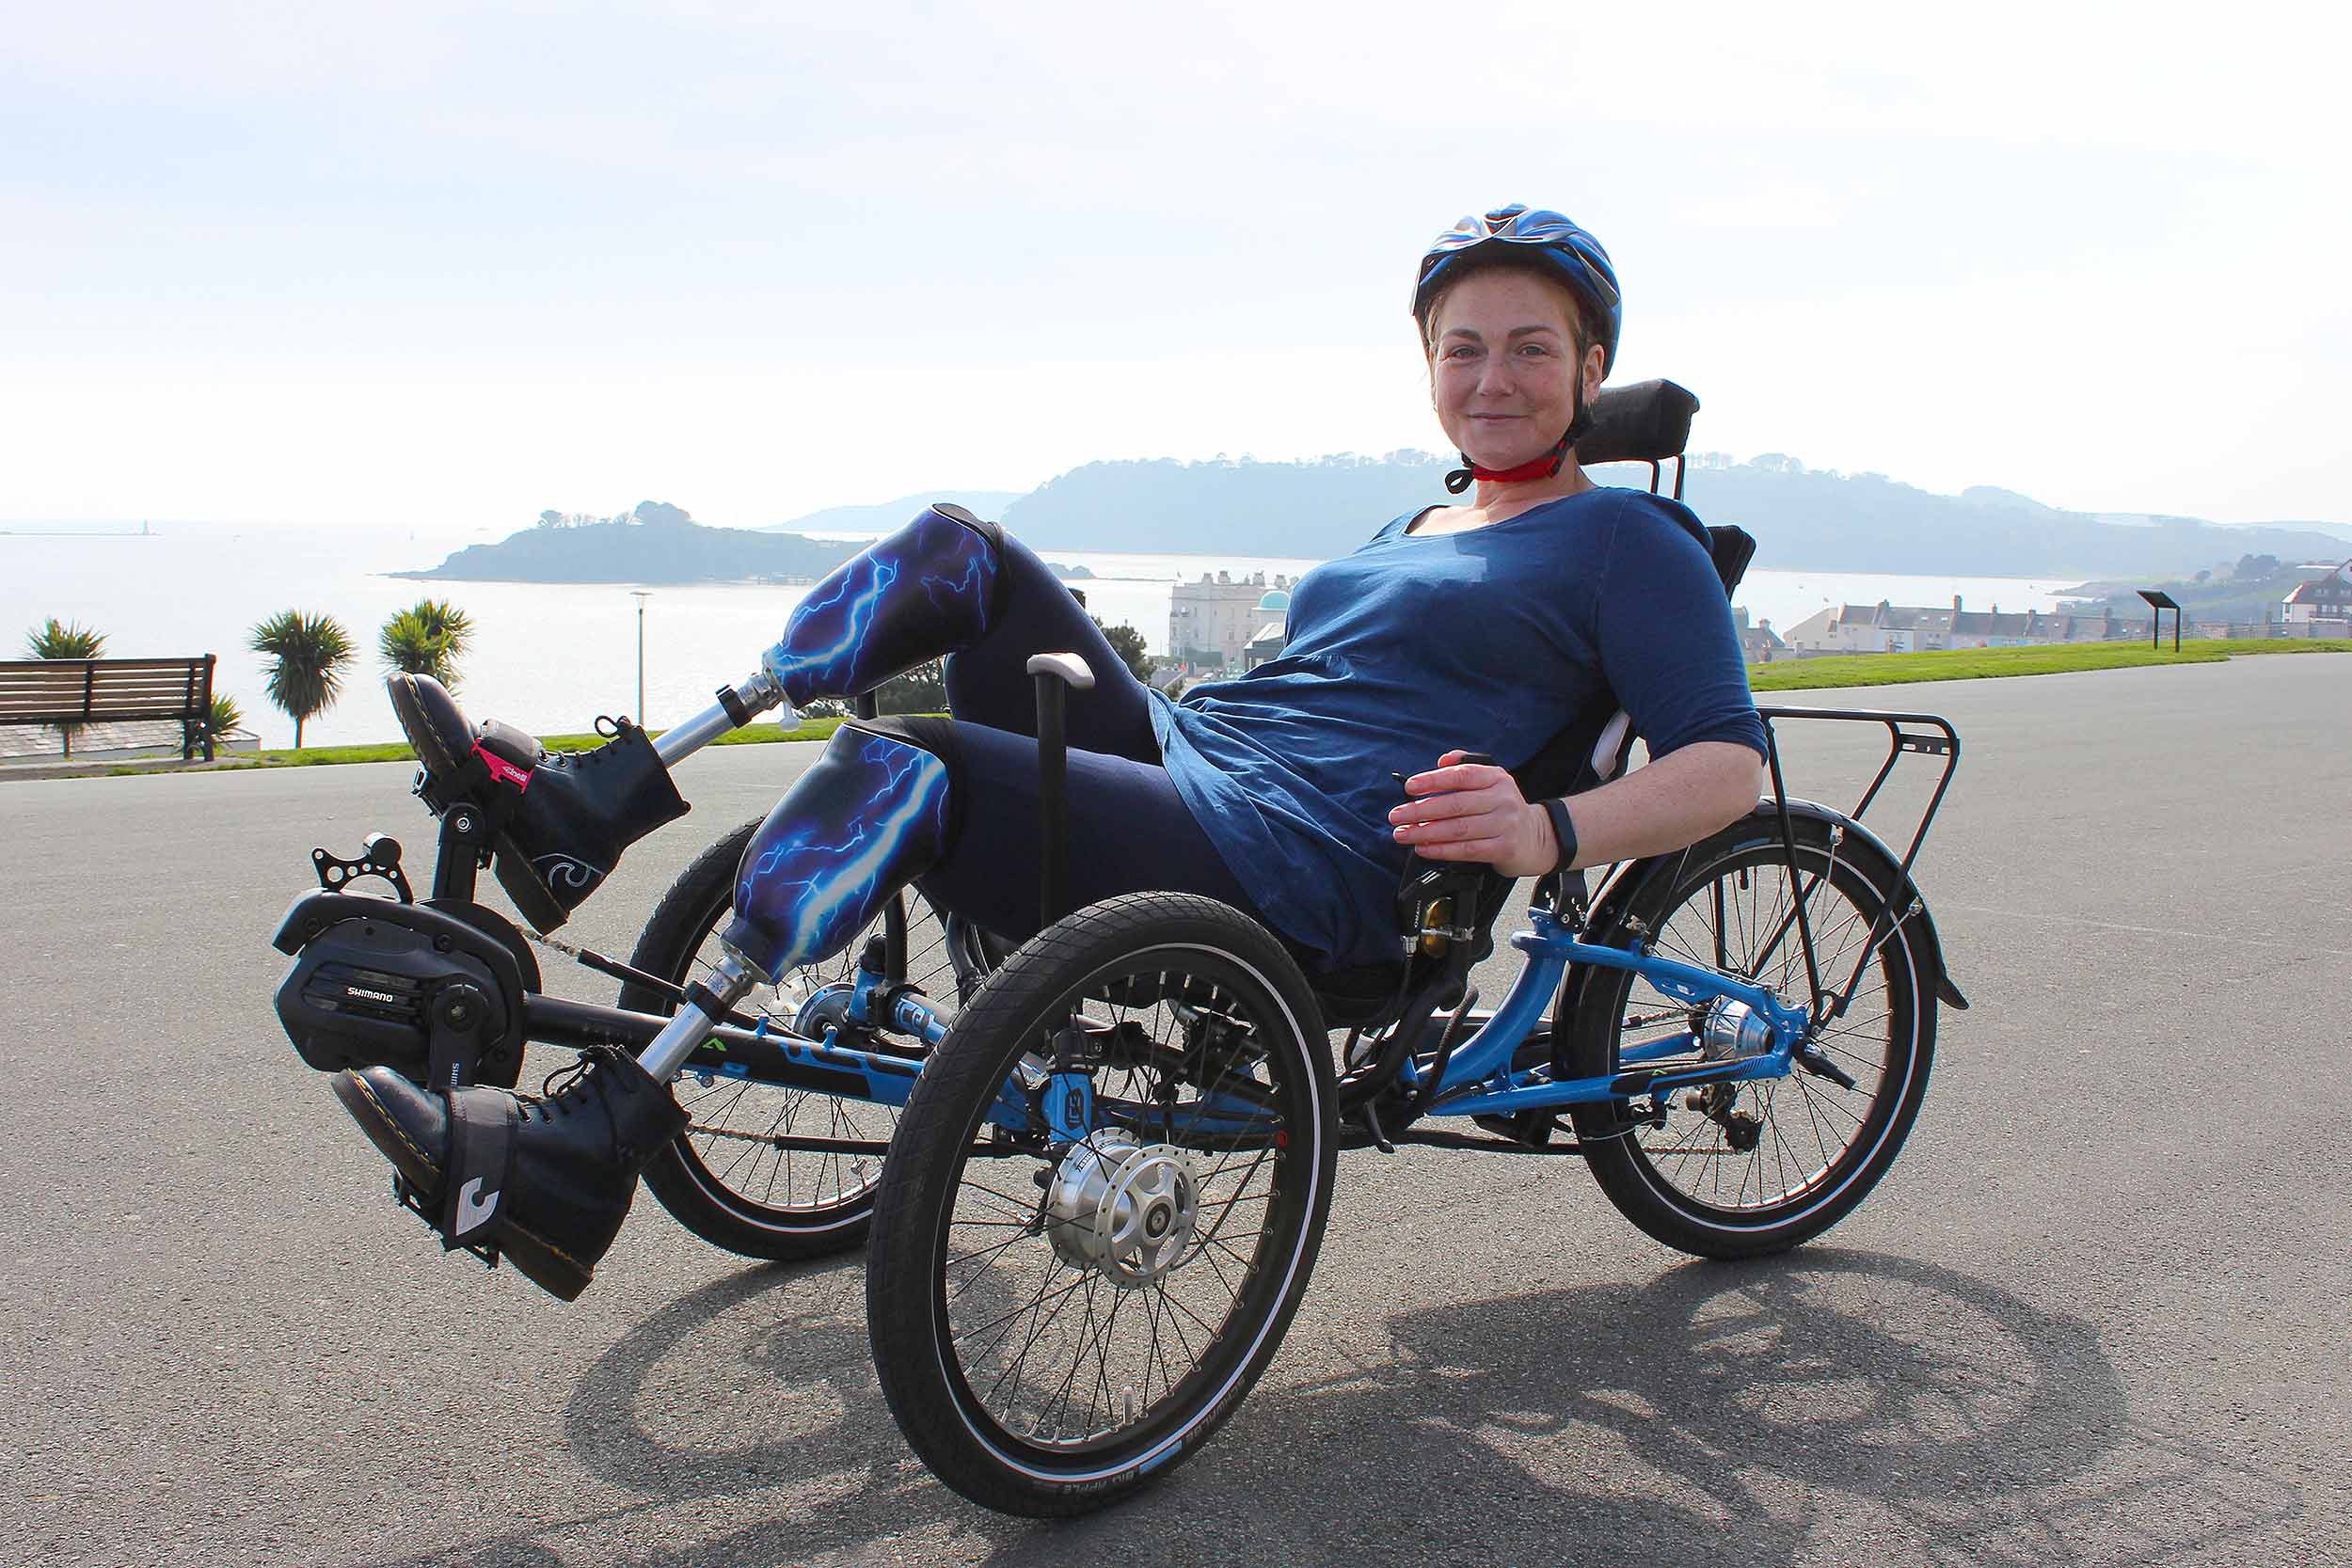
x: 1503, y: 366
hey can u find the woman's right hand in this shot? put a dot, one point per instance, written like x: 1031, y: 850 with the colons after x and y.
x: 1474, y: 811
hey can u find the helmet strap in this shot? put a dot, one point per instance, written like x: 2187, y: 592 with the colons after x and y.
x: 1546, y: 467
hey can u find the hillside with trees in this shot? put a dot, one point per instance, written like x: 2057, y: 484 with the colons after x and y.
x: 2248, y: 591
x: 1802, y: 518
x: 652, y: 542
x: 655, y: 543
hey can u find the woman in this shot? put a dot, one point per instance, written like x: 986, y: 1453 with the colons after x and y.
x: 1477, y: 628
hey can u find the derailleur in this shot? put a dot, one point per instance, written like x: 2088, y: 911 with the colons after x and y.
x: 1742, y: 1130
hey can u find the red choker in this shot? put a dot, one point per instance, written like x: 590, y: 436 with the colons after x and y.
x: 1542, y: 468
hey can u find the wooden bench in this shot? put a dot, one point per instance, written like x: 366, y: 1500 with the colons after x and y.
x: 66, y: 692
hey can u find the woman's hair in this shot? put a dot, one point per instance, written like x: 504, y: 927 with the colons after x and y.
x: 1504, y: 261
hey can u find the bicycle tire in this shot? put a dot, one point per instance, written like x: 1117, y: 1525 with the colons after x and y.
x: 1143, y: 960
x: 1670, y: 1181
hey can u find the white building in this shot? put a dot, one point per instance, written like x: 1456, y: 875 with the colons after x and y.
x: 2328, y: 597
x: 1210, y: 623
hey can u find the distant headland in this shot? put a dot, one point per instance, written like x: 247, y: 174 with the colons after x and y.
x: 656, y: 543
x: 1803, y: 519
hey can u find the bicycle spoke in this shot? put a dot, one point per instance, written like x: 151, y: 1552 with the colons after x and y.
x: 1061, y: 1352
x: 1741, y: 921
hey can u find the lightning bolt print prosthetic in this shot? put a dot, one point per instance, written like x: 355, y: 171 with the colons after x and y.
x: 868, y: 820
x: 925, y: 591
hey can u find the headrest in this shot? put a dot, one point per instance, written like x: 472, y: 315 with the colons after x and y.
x: 1647, y: 421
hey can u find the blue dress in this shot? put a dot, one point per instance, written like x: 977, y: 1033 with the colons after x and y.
x: 1493, y: 641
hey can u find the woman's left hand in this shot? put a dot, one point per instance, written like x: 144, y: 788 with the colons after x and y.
x: 1469, y: 811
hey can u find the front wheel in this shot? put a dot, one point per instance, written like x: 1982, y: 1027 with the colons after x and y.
x: 1057, y: 1322
x: 1742, y: 1170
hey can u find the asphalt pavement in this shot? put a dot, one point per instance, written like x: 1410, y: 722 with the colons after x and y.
x: 2096, y: 1314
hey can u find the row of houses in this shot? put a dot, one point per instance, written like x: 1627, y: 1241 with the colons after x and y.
x: 1892, y: 629
x: 1225, y: 622
x: 2319, y: 607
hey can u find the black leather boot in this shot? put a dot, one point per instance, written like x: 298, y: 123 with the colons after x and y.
x: 556, y: 1194
x: 567, y: 831
x: 565, y: 816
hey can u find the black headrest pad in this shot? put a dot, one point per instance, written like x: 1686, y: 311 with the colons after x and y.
x: 1647, y: 421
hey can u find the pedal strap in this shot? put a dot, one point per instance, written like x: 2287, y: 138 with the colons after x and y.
x: 481, y: 1125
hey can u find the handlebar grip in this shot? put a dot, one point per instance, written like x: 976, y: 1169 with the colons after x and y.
x: 1067, y: 668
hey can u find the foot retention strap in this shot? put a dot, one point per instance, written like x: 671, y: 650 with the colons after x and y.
x: 481, y: 1125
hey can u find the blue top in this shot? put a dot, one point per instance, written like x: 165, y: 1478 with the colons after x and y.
x: 1493, y: 639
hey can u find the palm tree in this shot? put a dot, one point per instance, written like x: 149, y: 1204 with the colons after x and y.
x: 306, y: 655
x: 58, y: 640
x: 428, y: 638
x: 219, y: 722
x: 61, y: 639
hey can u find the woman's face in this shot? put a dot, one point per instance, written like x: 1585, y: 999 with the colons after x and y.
x: 1503, y: 366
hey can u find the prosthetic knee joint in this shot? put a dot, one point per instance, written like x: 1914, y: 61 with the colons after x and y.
x: 930, y: 589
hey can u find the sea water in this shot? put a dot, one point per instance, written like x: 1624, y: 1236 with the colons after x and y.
x: 551, y: 657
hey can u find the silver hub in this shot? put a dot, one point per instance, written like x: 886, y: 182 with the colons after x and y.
x: 1733, y: 1029
x: 1123, y: 1209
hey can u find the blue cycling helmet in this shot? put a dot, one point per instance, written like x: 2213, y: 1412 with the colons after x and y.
x: 1559, y: 246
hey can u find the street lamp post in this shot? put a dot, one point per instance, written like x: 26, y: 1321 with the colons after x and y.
x: 641, y: 596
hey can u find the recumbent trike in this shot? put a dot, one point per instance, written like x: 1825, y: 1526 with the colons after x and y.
x: 1111, y: 1149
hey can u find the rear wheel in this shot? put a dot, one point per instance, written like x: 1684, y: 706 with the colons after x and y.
x: 1740, y: 1170
x: 1057, y: 1322
x: 728, y: 1178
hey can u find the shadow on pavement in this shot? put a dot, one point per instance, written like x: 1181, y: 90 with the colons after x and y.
x: 1715, y: 1413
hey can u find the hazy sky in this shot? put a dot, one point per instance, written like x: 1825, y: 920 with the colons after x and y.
x: 461, y: 262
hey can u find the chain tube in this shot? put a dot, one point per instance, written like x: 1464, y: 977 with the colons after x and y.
x: 788, y: 1140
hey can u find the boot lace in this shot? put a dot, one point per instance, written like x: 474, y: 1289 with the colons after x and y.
x: 566, y: 1089
x: 564, y: 1080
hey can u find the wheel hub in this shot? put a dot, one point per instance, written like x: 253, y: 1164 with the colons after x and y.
x: 826, y: 1008
x: 1123, y: 1209
x: 1731, y: 1030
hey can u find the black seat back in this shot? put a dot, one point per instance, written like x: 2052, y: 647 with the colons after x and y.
x: 1587, y: 752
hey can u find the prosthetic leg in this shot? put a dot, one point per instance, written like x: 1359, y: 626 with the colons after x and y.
x: 930, y: 589
x: 547, y: 1181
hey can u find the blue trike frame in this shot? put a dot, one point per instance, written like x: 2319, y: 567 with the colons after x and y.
x: 1475, y: 1074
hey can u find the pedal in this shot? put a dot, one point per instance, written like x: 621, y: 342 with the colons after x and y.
x: 412, y: 1200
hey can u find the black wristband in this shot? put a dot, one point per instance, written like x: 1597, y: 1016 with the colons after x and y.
x: 1564, y: 830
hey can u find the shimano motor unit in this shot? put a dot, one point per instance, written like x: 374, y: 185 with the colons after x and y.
x: 403, y: 986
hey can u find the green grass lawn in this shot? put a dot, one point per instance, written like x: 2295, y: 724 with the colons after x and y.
x: 1967, y: 664
x: 1801, y: 675
x: 393, y: 751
